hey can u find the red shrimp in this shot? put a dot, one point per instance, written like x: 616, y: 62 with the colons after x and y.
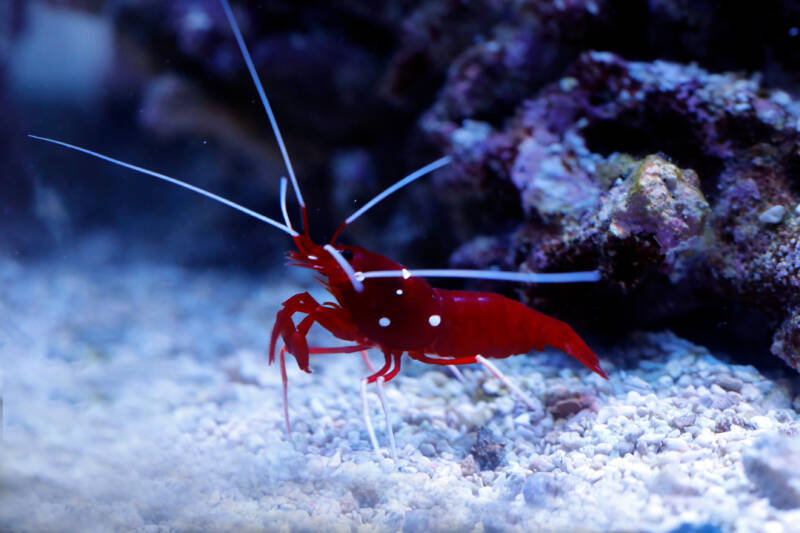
x: 405, y: 314
x: 381, y: 304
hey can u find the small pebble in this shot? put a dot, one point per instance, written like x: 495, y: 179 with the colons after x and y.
x: 539, y: 488
x: 427, y: 449
x: 683, y: 421
x: 417, y: 521
x: 566, y: 408
x: 729, y: 383
x: 772, y: 215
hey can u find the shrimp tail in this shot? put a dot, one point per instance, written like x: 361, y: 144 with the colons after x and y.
x: 497, y: 327
x: 560, y: 335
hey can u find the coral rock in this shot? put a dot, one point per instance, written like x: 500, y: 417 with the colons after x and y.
x: 786, y: 342
x: 660, y: 199
x: 697, y: 237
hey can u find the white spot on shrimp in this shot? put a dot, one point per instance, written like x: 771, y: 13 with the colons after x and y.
x: 434, y: 320
x: 360, y: 276
x: 384, y: 321
x: 406, y: 273
x: 399, y: 292
x: 313, y: 257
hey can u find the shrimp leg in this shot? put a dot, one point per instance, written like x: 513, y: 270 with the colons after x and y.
x: 384, y: 403
x: 329, y: 319
x: 419, y: 356
x: 311, y: 350
x: 332, y: 318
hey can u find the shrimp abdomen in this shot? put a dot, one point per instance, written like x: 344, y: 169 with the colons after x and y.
x: 496, y: 327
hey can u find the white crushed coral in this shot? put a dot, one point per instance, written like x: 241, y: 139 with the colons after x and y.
x: 138, y: 398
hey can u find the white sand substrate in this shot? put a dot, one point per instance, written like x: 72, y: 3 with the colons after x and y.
x: 136, y: 397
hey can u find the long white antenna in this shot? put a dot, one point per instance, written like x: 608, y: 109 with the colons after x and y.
x: 357, y: 285
x: 283, y: 203
x: 179, y: 183
x: 524, y: 277
x: 427, y: 169
x: 260, y: 88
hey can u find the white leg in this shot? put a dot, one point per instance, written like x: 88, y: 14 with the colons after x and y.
x: 457, y: 373
x: 507, y: 382
x: 384, y: 405
x: 367, y: 362
x: 285, y: 392
x: 367, y: 419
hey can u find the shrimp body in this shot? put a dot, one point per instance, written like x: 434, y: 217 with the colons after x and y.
x: 405, y: 314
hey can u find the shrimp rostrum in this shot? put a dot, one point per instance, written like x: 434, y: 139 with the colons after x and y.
x: 380, y: 304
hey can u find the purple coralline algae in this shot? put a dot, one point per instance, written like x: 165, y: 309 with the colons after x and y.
x: 678, y: 183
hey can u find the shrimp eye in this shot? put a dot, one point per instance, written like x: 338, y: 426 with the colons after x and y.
x: 347, y: 254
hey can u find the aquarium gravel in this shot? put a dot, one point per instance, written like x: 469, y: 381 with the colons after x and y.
x: 137, y: 397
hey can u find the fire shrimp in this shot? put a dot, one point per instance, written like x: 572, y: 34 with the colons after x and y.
x: 380, y: 304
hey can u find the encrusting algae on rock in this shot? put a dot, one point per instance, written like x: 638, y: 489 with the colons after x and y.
x: 658, y: 199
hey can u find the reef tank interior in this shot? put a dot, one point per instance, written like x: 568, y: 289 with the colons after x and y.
x: 651, y: 145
